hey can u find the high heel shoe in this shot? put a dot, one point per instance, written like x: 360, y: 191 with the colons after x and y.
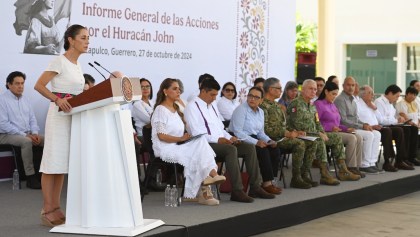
x: 47, y: 222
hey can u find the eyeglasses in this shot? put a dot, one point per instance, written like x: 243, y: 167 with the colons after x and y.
x: 253, y: 97
x: 278, y: 88
x: 230, y: 90
x: 145, y: 87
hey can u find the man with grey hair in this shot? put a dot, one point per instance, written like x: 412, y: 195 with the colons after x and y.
x: 347, y: 107
x: 275, y: 128
x: 368, y: 112
x: 302, y: 116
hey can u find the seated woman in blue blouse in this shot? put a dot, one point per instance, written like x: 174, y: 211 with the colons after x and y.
x: 247, y: 123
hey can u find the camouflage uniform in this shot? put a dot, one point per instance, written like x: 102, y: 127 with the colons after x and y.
x: 302, y: 116
x: 275, y: 128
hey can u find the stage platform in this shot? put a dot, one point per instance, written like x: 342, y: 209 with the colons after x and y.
x: 20, y: 209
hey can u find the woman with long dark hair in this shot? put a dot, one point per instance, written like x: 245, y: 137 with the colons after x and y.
x: 66, y: 77
x: 197, y: 157
x: 329, y: 117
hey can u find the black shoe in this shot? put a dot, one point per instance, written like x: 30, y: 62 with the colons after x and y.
x: 33, y: 182
x: 403, y: 166
x: 415, y: 162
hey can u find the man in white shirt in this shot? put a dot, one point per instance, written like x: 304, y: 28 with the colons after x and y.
x: 390, y: 117
x: 367, y: 111
x: 202, y: 117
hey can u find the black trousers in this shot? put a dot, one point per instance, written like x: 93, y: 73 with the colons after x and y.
x: 395, y: 133
x: 268, y: 159
x: 411, y: 136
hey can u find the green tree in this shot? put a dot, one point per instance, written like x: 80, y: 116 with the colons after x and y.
x: 306, y: 37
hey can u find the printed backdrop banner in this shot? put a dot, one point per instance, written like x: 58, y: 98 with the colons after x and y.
x: 234, y: 41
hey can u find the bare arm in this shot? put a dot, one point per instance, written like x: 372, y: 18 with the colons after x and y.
x: 41, y: 87
x: 172, y: 139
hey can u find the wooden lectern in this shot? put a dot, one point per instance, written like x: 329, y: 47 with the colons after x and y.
x: 103, y: 196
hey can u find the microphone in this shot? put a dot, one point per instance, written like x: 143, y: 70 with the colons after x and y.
x: 104, y: 68
x: 90, y: 64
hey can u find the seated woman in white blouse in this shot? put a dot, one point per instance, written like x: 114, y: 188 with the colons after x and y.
x: 227, y: 103
x: 143, y: 109
x: 197, y: 157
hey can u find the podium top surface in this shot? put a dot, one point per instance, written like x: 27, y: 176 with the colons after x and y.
x: 110, y: 91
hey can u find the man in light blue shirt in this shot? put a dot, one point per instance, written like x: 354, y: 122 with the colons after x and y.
x: 247, y: 123
x: 18, y: 125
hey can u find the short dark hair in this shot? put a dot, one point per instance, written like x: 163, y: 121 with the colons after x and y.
x: 413, y: 82
x: 411, y: 90
x: 319, y: 79
x: 151, y: 88
x: 71, y: 32
x: 229, y: 84
x: 203, y: 77
x: 210, y: 84
x: 394, y: 89
x: 88, y: 78
x: 12, y: 76
x: 258, y: 89
x: 258, y: 80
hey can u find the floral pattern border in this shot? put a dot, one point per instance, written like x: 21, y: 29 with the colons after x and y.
x: 252, y: 43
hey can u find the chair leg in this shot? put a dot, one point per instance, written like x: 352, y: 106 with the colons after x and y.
x: 281, y: 176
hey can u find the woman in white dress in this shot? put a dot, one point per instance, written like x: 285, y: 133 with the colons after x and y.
x: 143, y: 109
x: 227, y: 103
x: 66, y: 77
x: 197, y: 157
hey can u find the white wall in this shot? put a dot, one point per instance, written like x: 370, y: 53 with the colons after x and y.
x: 213, y: 51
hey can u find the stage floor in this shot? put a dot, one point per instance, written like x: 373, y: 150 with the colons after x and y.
x: 20, y: 209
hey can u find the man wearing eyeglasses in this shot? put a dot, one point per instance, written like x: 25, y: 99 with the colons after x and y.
x: 275, y: 128
x: 302, y: 116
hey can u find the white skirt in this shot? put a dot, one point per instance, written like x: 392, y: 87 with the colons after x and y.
x: 55, y: 159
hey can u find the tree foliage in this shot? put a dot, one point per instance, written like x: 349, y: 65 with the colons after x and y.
x: 306, y: 37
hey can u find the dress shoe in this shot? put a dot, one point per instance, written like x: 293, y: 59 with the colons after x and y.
x: 33, y: 182
x: 401, y: 165
x: 240, y: 196
x: 218, y: 179
x: 415, y: 162
x: 260, y: 193
x: 272, y: 189
x: 205, y: 196
x: 409, y: 163
x: 388, y: 167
